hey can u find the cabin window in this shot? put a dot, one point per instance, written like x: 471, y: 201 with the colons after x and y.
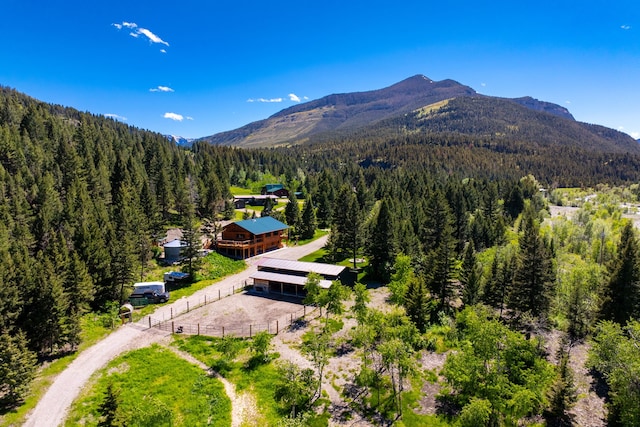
x: 239, y: 236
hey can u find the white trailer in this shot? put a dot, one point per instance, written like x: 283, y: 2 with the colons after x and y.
x: 149, y: 291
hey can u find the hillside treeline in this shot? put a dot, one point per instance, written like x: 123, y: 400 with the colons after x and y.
x: 83, y: 200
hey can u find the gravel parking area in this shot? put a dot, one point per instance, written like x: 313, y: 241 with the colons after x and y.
x: 240, y: 311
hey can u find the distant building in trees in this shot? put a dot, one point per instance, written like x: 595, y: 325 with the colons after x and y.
x: 275, y: 190
x: 251, y: 237
x: 259, y: 200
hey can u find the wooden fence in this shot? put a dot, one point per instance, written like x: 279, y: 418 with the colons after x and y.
x: 272, y: 326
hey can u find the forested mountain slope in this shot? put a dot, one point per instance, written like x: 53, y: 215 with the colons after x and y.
x: 419, y: 104
x: 83, y: 198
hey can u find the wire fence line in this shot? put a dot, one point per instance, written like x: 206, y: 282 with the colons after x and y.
x: 186, y: 304
x: 272, y: 326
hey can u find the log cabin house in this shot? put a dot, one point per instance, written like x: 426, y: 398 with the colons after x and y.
x: 251, y: 237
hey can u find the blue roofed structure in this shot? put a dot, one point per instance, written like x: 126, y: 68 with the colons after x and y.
x: 251, y: 237
x: 264, y: 224
x: 275, y: 189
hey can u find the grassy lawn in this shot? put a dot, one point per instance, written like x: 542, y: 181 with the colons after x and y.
x: 214, y: 267
x: 318, y: 234
x: 258, y: 380
x: 321, y: 256
x: 155, y: 387
x: 239, y: 191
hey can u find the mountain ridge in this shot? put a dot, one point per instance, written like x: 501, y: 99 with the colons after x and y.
x: 344, y: 113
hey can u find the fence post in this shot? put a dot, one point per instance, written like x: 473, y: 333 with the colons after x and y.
x: 223, y: 332
x: 172, y: 312
x: 304, y: 313
x: 277, y: 328
x: 173, y: 331
x: 249, y: 331
x: 218, y: 294
x: 198, y: 328
x: 291, y: 318
x: 233, y: 289
x: 205, y: 299
x: 149, y: 322
x: 187, y: 306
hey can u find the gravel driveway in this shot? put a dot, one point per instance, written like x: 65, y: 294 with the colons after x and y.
x: 52, y: 408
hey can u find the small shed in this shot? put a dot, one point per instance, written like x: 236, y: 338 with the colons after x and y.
x: 173, y: 250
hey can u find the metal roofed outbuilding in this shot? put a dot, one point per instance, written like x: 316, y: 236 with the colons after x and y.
x: 328, y: 271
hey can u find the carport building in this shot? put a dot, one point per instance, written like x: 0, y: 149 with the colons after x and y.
x: 285, y: 277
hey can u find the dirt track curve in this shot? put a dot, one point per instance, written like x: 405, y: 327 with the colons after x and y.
x: 52, y: 408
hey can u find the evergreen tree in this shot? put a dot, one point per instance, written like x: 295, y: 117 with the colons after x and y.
x: 268, y: 207
x: 292, y: 216
x: 491, y: 291
x: 440, y: 252
x: 45, y: 315
x: 191, y: 238
x: 381, y: 249
x: 11, y: 300
x: 416, y: 303
x: 534, y: 276
x: 346, y: 224
x: 621, y: 300
x: 17, y: 368
x: 308, y: 222
x: 109, y: 409
x: 563, y: 393
x: 514, y: 203
x: 470, y: 276
x: 325, y: 198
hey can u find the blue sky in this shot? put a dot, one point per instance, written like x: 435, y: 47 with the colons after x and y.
x: 195, y: 68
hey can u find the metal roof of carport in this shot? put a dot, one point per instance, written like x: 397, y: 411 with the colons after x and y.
x: 286, y: 278
x: 301, y: 266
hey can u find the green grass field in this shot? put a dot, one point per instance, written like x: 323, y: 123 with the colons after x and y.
x: 155, y: 387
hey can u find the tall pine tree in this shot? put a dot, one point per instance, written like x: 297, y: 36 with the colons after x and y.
x: 534, y: 277
x: 308, y: 222
x: 381, y: 249
x: 621, y: 299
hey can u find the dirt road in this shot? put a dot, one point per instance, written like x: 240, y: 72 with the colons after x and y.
x: 52, y: 409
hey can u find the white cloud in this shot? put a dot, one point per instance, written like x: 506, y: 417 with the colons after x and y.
x: 264, y: 100
x: 189, y: 118
x: 567, y: 102
x: 635, y: 135
x: 293, y: 97
x: 174, y: 116
x: 161, y: 89
x: 483, y: 84
x: 625, y: 27
x: 137, y: 31
x: 152, y: 37
x: 305, y: 98
x: 163, y: 50
x: 115, y: 117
